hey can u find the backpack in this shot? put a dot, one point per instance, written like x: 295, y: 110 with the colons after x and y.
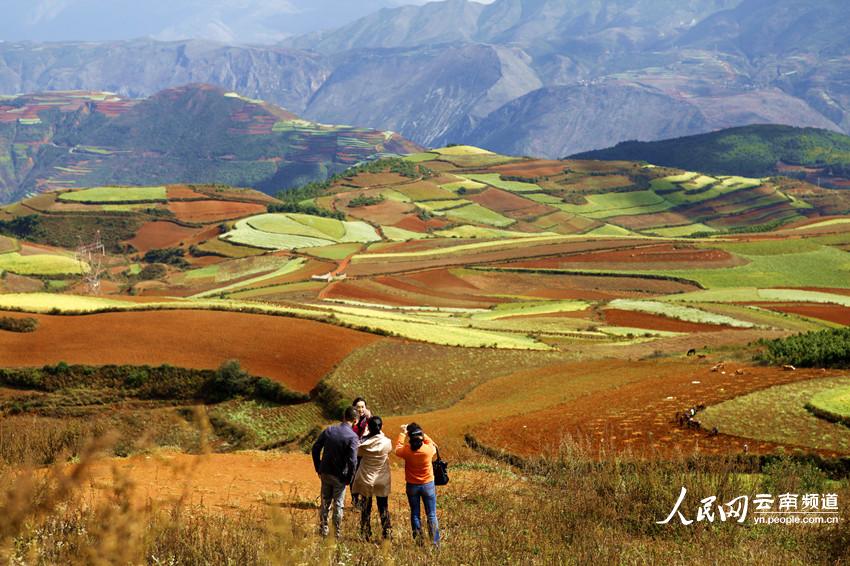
x: 441, y: 470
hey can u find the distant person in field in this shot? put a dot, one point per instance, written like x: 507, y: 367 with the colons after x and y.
x: 335, y: 459
x: 418, y: 452
x: 362, y: 429
x: 373, y: 478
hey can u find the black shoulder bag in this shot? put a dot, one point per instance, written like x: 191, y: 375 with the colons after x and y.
x: 441, y: 470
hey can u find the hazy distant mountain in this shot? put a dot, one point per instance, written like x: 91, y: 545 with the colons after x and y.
x: 544, y: 25
x: 518, y: 74
x: 229, y: 21
x: 143, y: 67
x: 196, y: 133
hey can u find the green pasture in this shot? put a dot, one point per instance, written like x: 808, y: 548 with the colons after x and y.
x: 116, y: 194
x: 42, y: 264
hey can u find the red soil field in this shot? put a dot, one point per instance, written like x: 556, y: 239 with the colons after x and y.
x: 415, y: 224
x: 386, y: 212
x: 831, y: 313
x: 530, y: 169
x: 572, y: 286
x: 264, y: 345
x: 376, y: 179
x: 509, y: 203
x: 206, y: 211
x: 638, y: 416
x: 158, y: 234
x: 656, y: 254
x: 183, y: 192
x: 617, y: 317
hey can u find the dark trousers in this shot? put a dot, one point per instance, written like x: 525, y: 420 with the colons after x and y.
x: 366, y: 516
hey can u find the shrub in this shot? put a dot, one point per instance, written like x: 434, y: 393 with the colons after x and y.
x: 169, y: 256
x: 18, y: 324
x: 824, y: 348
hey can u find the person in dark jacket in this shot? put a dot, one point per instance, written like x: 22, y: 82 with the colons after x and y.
x: 335, y: 460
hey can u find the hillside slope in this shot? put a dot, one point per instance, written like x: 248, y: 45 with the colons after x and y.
x: 751, y: 150
x: 193, y: 134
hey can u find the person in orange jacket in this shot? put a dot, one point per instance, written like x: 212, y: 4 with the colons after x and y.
x: 418, y: 452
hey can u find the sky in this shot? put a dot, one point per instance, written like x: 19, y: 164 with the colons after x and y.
x: 229, y: 21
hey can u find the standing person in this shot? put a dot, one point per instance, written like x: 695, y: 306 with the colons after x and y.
x: 362, y: 429
x: 418, y: 451
x: 363, y: 413
x: 373, y: 478
x: 335, y: 458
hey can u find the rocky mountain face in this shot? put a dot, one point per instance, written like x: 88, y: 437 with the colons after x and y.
x: 191, y: 134
x: 543, y: 77
x: 141, y: 68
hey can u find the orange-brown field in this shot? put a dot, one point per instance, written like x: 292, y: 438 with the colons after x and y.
x: 163, y: 235
x: 266, y: 345
x: 208, y: 211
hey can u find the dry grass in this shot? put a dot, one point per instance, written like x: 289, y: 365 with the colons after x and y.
x: 569, y: 509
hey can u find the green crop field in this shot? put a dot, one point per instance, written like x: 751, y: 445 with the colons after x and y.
x: 687, y: 314
x: 426, y: 331
x: 607, y: 205
x: 681, y: 231
x: 421, y: 157
x: 834, y: 401
x: 461, y: 249
x: 495, y: 180
x: 43, y: 264
x: 609, y: 230
x: 401, y: 235
x: 287, y: 268
x: 116, y: 194
x: 465, y: 184
x: 438, y: 205
x: 423, y: 190
x: 506, y: 310
x: 462, y: 150
x: 778, y: 414
x: 473, y: 232
x: 822, y: 267
x: 281, y: 231
x: 477, y: 214
x: 335, y: 252
x: 543, y: 198
x: 245, y: 235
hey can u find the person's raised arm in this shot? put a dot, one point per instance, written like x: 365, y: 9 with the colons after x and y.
x: 317, y: 451
x: 399, y: 444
